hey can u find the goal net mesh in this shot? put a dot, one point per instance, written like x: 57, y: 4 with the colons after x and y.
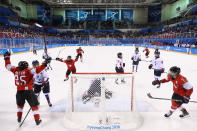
x: 102, y: 101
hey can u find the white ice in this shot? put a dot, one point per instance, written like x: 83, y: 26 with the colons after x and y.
x: 100, y: 59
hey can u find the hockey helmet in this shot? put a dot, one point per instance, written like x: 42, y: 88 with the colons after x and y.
x: 157, y: 53
x: 35, y: 62
x: 23, y: 65
x: 174, y: 72
x: 119, y: 55
x: 69, y: 57
x: 175, y: 69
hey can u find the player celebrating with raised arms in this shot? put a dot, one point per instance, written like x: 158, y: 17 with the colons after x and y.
x: 119, y: 67
x: 41, y: 80
x: 79, y: 53
x: 182, y: 90
x: 157, y: 65
x: 136, y: 58
x: 24, y: 82
x: 70, y: 65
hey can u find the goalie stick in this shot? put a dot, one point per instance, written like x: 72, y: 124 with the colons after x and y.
x: 151, y: 97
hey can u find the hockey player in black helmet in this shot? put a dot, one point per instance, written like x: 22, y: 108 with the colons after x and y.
x: 23, y: 65
x: 70, y: 66
x: 41, y: 82
x: 119, y: 66
x: 182, y: 91
x: 24, y: 83
x: 157, y: 65
x: 136, y: 57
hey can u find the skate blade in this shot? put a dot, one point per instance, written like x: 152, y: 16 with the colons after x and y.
x: 185, y: 117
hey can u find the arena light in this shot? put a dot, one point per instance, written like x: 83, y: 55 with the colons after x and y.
x: 38, y: 25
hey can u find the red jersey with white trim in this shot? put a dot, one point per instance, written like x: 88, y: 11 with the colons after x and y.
x: 181, y: 86
x: 80, y: 51
x: 147, y: 51
x: 24, y: 78
x: 70, y: 64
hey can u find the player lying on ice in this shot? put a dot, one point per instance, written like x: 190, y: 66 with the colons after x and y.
x: 95, y: 91
x: 24, y: 83
x: 182, y: 90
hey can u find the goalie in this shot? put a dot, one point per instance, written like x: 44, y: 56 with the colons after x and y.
x: 95, y: 91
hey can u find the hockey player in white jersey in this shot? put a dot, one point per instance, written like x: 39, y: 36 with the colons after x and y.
x: 157, y: 65
x: 136, y: 58
x: 41, y: 82
x: 119, y: 67
x: 45, y: 56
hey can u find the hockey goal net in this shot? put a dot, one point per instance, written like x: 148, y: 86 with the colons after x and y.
x: 101, y: 101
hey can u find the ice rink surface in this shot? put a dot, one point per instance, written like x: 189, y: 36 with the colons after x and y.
x: 101, y: 59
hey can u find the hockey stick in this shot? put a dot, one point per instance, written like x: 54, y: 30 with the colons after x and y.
x: 151, y: 97
x: 60, y: 52
x: 147, y: 61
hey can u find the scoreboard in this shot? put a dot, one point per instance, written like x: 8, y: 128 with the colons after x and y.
x: 99, y: 14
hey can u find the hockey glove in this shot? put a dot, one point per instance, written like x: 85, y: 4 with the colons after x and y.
x: 186, y: 99
x: 123, y: 64
x: 44, y: 84
x: 156, y: 82
x: 7, y: 55
x: 150, y: 66
x: 162, y: 70
x: 48, y: 60
x: 132, y: 58
x: 57, y: 58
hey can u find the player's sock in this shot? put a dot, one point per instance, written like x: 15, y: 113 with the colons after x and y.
x: 136, y: 68
x: 20, y: 113
x: 38, y: 97
x: 36, y: 115
x: 48, y: 99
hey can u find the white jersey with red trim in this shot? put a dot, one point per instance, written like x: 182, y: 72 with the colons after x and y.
x: 119, y: 63
x: 157, y: 63
x: 41, y: 77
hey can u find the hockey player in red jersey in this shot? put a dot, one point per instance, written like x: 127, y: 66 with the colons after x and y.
x: 79, y: 53
x: 182, y: 91
x: 70, y: 65
x: 24, y: 82
x: 147, y: 52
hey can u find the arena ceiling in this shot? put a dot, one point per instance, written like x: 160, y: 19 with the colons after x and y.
x: 98, y: 3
